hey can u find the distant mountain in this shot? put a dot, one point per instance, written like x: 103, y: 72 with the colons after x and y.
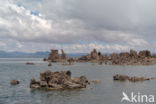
x: 39, y: 54
x: 4, y: 54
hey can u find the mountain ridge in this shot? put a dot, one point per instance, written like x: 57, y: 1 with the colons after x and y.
x: 38, y: 54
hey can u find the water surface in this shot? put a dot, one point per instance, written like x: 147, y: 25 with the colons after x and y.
x: 106, y: 92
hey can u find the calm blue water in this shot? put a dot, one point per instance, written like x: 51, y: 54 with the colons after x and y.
x: 106, y: 92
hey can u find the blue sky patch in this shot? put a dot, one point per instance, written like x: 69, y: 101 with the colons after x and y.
x: 34, y: 13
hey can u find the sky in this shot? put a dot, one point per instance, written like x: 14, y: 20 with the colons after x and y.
x: 77, y: 26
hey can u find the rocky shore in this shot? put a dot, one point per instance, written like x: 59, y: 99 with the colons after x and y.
x: 124, y: 58
x: 58, y: 80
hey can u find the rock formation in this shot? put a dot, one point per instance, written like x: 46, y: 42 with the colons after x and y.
x: 58, y: 80
x: 131, y: 58
x: 14, y: 82
x: 123, y: 58
x: 120, y: 77
x: 145, y: 53
x: 133, y: 54
x: 70, y: 61
x: 55, y: 57
x: 131, y: 79
x: 63, y: 56
x: 93, y: 56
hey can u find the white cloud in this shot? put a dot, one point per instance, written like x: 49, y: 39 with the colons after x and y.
x: 2, y: 44
x: 138, y: 42
x: 120, y: 26
x: 19, y: 45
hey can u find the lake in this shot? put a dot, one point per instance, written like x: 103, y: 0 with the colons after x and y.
x: 106, y: 92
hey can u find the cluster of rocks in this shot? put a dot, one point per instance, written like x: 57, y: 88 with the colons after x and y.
x: 131, y: 79
x: 58, y: 80
x: 55, y: 57
x: 93, y: 56
x: 123, y: 58
x: 131, y: 58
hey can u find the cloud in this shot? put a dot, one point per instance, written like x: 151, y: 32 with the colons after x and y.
x: 112, y: 25
x: 2, y: 44
x: 19, y: 45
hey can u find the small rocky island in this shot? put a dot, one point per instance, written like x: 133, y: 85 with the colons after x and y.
x: 124, y: 58
x: 58, y: 80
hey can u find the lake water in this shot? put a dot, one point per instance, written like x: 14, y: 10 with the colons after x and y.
x: 106, y: 92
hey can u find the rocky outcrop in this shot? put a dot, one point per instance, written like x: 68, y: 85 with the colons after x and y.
x: 14, y: 82
x: 58, y: 80
x: 145, y: 53
x: 133, y: 54
x: 63, y: 56
x: 123, y: 58
x: 71, y: 61
x: 131, y: 58
x: 93, y: 56
x: 131, y: 79
x: 55, y: 57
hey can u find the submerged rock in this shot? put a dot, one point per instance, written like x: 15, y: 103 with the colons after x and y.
x: 136, y: 79
x: 14, y: 82
x: 118, y: 77
x: 30, y: 63
x: 58, y: 80
x: 100, y: 63
x: 49, y: 64
x: 44, y: 59
x: 96, y: 81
